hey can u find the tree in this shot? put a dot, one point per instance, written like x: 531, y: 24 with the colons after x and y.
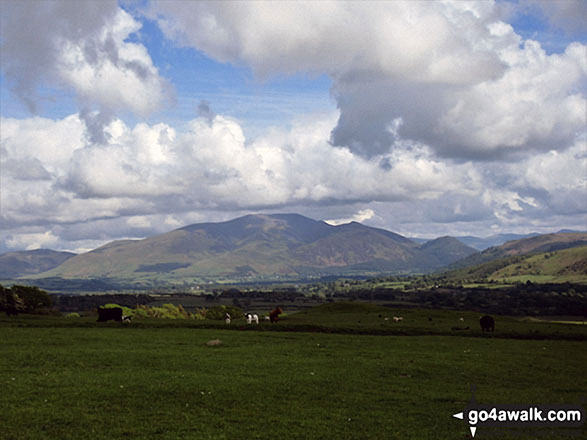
x: 10, y: 302
x: 34, y: 299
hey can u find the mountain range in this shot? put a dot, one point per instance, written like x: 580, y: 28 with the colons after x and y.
x: 258, y: 246
x: 266, y: 247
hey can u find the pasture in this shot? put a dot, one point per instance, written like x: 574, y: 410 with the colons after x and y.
x: 78, y: 379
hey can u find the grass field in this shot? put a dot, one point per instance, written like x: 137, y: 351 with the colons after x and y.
x: 75, y: 379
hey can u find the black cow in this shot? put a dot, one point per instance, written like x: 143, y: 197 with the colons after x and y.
x: 108, y: 313
x: 487, y: 323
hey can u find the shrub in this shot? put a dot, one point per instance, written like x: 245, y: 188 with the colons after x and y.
x: 219, y: 312
x: 73, y: 315
x: 200, y: 313
x: 166, y: 311
x: 142, y: 311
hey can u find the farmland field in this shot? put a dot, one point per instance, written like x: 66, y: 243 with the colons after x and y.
x: 68, y: 379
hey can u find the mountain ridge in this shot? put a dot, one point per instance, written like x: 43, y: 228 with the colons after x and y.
x: 270, y: 246
x: 261, y: 245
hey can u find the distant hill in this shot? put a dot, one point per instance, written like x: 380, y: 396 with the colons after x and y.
x: 25, y: 263
x: 567, y: 265
x: 494, y: 240
x: 532, y: 245
x: 561, y: 256
x: 557, y: 266
x: 482, y: 243
x: 444, y: 250
x: 257, y: 247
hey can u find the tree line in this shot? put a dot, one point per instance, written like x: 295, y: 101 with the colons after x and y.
x: 24, y: 299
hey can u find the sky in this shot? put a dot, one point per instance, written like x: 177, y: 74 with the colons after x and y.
x: 126, y: 119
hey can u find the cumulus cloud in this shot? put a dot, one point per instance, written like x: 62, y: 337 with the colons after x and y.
x: 90, y: 193
x: 144, y: 170
x: 289, y: 37
x: 460, y: 79
x: 213, y: 165
x: 30, y: 52
x: 83, y: 49
x: 535, y: 105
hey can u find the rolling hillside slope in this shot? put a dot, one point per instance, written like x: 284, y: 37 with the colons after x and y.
x: 558, y: 266
x: 526, y: 246
x: 567, y: 265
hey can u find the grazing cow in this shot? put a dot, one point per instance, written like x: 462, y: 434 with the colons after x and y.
x: 250, y: 318
x: 267, y: 318
x: 106, y: 314
x: 398, y: 318
x: 126, y: 318
x: 227, y: 318
x: 487, y: 323
x: 462, y: 319
x: 274, y: 315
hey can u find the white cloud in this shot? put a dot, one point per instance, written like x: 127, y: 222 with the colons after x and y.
x: 360, y: 217
x: 289, y: 37
x: 31, y: 241
x: 555, y: 171
x: 147, y: 169
x: 120, y: 188
x: 458, y: 76
x: 534, y: 105
x: 83, y: 48
x: 109, y: 71
x: 139, y: 221
x: 32, y: 36
x: 51, y: 142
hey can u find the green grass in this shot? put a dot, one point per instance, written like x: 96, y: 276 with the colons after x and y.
x: 346, y: 318
x: 567, y: 265
x: 513, y: 279
x: 373, y: 319
x: 163, y: 382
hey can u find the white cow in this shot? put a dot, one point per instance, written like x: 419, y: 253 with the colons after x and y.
x: 251, y: 318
